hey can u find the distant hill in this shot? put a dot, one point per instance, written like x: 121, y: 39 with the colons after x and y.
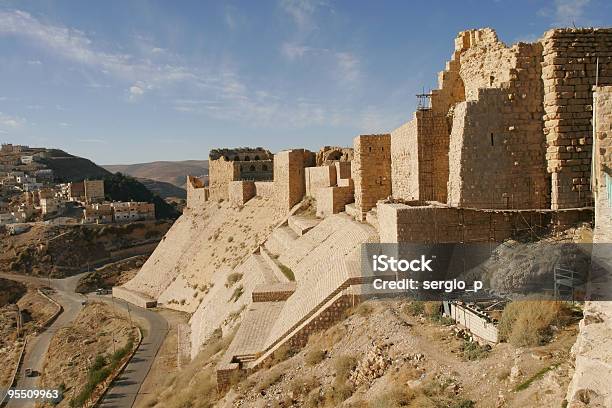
x: 67, y: 167
x: 163, y: 189
x: 173, y: 172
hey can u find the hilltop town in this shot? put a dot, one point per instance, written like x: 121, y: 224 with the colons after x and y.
x: 514, y: 142
x: 30, y: 192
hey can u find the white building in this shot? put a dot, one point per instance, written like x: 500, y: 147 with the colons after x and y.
x: 27, y: 159
x: 133, y: 211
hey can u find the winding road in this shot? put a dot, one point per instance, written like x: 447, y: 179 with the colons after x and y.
x: 125, y: 388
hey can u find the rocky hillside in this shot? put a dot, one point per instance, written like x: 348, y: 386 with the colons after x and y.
x: 60, y: 251
x: 67, y: 167
x: 390, y: 353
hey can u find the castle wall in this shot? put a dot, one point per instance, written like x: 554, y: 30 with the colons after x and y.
x: 331, y: 200
x: 405, y: 161
x: 592, y: 371
x: 371, y: 170
x: 497, y: 153
x: 259, y: 170
x: 197, y: 193
x: 240, y: 192
x: 419, y: 152
x: 432, y: 223
x: 568, y: 73
x: 343, y: 170
x: 264, y: 189
x: 289, y: 179
x: 603, y: 165
x: 319, y: 177
x: 221, y: 172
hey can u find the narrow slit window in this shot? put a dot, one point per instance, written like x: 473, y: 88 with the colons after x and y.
x: 492, y: 140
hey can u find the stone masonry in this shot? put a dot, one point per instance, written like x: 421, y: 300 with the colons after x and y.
x: 569, y: 72
x: 197, y: 193
x: 593, y: 347
x: 371, y: 171
x: 240, y: 192
x: 289, y: 181
x: 513, y: 124
x: 227, y: 165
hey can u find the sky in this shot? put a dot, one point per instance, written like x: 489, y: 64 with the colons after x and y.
x: 136, y: 81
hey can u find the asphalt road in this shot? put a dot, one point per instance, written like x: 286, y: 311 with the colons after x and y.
x: 125, y: 388
x: 37, y: 346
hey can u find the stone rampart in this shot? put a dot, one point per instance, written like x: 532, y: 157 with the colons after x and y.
x: 332, y: 200
x: 568, y: 73
x: 240, y: 192
x: 437, y: 223
x: 289, y: 179
x: 264, y: 189
x: 371, y: 171
x: 319, y: 177
x: 197, y: 193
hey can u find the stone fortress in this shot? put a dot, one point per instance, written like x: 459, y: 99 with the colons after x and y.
x: 504, y: 143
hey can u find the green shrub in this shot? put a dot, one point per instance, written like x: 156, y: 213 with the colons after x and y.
x: 473, y: 351
x: 414, y: 308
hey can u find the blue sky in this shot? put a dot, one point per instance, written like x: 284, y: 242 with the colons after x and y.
x: 134, y: 81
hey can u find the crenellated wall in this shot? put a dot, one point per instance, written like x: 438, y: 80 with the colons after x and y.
x: 197, y: 193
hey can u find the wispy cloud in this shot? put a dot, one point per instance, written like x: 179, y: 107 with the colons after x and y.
x: 11, y: 121
x: 215, y: 91
x: 76, y: 46
x: 345, y: 66
x: 302, y: 12
x: 566, y: 13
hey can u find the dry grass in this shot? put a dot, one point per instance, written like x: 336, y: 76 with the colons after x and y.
x: 272, y: 377
x: 232, y: 278
x: 528, y: 323
x: 302, y: 386
x: 343, y: 365
x: 364, y: 309
x: 327, y: 339
x: 197, y: 382
x: 314, y: 356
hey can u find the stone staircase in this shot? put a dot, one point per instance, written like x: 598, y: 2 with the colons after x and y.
x: 326, y: 262
x: 280, y: 240
x: 268, y: 263
x: 301, y: 224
